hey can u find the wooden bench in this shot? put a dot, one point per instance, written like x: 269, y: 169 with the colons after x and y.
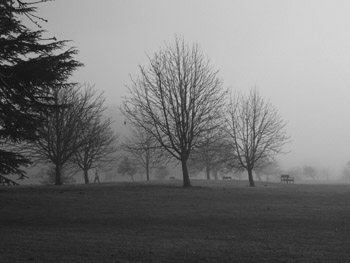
x: 226, y: 178
x: 172, y: 178
x: 6, y: 182
x: 286, y: 179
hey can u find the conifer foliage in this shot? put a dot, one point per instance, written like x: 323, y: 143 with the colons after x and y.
x: 30, y: 66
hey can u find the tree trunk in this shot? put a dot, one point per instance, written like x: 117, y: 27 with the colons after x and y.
x: 132, y: 177
x: 207, y: 168
x: 186, y: 177
x: 58, y: 168
x: 58, y: 173
x: 86, y: 176
x: 147, y: 173
x: 250, y: 176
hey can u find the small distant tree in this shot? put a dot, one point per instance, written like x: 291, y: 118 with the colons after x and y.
x: 256, y: 131
x: 212, y: 155
x: 177, y: 98
x: 145, y: 149
x: 126, y: 167
x: 310, y: 171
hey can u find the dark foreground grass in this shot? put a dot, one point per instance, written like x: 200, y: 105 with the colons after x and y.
x: 157, y: 222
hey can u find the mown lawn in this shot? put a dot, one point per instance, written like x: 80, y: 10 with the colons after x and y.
x: 162, y: 222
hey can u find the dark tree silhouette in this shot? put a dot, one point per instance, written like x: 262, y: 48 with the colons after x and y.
x: 30, y: 65
x: 256, y: 131
x: 175, y: 99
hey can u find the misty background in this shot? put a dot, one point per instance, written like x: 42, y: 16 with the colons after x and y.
x: 297, y: 53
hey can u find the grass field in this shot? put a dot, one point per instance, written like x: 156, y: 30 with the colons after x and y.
x: 162, y: 222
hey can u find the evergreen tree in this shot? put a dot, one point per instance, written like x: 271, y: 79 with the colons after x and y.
x: 30, y: 66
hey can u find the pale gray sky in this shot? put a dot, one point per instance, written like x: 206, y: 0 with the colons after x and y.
x: 296, y: 52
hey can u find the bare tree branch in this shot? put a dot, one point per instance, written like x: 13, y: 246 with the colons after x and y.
x: 68, y: 128
x: 256, y: 131
x: 100, y: 143
x: 145, y: 149
x: 177, y: 98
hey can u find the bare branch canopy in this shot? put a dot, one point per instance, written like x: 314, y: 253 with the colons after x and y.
x: 176, y: 98
x: 256, y: 131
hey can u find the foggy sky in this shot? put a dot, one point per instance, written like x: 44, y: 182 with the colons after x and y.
x: 297, y: 53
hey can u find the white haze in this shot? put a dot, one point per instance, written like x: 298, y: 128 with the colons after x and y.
x: 296, y: 52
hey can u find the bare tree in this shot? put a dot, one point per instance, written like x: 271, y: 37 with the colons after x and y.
x: 256, y: 131
x: 310, y: 171
x: 212, y: 155
x: 99, y: 146
x: 175, y: 99
x: 63, y: 131
x: 145, y: 149
x: 127, y: 167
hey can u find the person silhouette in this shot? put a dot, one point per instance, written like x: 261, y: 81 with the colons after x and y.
x: 97, y: 178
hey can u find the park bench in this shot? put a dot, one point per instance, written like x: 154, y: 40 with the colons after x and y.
x: 172, y: 178
x: 286, y: 179
x: 226, y: 178
x: 6, y: 182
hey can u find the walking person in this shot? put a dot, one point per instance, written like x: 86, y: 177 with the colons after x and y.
x: 97, y: 178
